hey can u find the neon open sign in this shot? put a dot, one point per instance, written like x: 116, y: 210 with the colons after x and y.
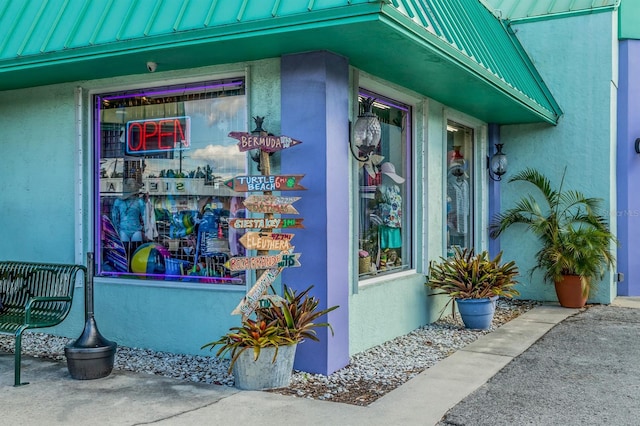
x: 158, y: 135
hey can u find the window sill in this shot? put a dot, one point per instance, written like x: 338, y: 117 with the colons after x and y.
x: 386, y: 278
x: 169, y: 284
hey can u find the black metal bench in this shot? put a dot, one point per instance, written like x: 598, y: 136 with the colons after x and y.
x: 34, y: 295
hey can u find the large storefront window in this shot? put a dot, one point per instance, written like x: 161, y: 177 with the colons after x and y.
x: 163, y: 156
x: 459, y: 187
x: 384, y: 189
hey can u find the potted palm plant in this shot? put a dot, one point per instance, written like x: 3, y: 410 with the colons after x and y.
x: 262, y: 350
x: 475, y: 282
x: 575, y: 241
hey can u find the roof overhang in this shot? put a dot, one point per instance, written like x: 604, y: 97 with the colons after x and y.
x: 375, y: 38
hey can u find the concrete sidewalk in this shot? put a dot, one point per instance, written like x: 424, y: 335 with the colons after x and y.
x: 126, y: 398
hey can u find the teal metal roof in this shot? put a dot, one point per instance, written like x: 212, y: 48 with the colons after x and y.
x: 454, y: 51
x: 514, y: 10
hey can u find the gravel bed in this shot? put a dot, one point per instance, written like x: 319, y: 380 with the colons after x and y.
x: 369, y: 375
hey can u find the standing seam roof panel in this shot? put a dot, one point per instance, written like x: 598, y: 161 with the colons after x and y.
x: 73, y: 27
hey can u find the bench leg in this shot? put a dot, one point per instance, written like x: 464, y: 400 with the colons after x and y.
x: 18, y: 360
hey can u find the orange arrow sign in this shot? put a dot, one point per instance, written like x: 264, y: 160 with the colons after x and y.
x: 281, y: 260
x: 266, y: 241
x: 270, y: 204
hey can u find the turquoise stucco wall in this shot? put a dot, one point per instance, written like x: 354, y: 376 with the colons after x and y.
x: 37, y: 174
x: 580, y: 69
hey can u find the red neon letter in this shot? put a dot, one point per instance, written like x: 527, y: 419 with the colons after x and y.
x: 131, y: 137
x: 178, y: 134
x: 148, y: 135
x: 162, y: 133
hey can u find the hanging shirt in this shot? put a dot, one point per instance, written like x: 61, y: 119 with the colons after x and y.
x: 459, y: 194
x: 390, y: 207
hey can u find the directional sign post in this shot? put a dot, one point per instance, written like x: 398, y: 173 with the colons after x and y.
x: 267, y: 266
x: 266, y: 183
x: 270, y: 204
x: 266, y: 241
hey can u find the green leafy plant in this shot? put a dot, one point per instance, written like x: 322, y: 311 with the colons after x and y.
x: 287, y: 320
x: 469, y: 276
x: 295, y: 314
x: 574, y: 238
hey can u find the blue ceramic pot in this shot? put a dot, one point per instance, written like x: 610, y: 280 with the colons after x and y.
x: 477, y: 314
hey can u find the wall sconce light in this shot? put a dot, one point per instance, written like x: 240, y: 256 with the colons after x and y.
x: 366, y: 133
x: 497, y: 164
x: 638, y: 145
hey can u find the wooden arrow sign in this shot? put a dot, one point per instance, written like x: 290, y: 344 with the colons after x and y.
x: 270, y: 204
x: 266, y: 241
x: 247, y: 142
x: 250, y: 302
x: 282, y: 260
x: 266, y: 183
x: 260, y: 223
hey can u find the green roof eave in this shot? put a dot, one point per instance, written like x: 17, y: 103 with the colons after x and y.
x: 374, y: 36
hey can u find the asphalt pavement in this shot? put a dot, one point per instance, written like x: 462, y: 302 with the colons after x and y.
x: 584, y: 371
x: 550, y: 366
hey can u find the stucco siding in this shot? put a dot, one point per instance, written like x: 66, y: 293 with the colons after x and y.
x: 579, y: 67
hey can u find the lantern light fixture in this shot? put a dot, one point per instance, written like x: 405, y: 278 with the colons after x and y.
x: 366, y: 133
x: 497, y: 164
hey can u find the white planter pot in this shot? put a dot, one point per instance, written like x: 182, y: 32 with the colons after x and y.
x: 263, y: 373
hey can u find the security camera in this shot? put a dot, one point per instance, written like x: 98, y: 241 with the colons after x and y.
x: 151, y: 66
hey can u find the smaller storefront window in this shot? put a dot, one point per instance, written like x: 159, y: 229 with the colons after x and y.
x: 163, y: 156
x: 459, y: 200
x: 384, y: 191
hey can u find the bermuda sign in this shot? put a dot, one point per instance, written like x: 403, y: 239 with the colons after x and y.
x: 267, y: 143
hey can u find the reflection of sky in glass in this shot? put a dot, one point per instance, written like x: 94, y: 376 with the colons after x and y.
x: 211, y: 122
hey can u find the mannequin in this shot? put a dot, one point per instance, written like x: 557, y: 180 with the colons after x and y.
x: 389, y: 207
x: 127, y: 213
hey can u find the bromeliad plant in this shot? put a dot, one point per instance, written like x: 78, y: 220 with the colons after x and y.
x: 287, y: 320
x: 469, y: 276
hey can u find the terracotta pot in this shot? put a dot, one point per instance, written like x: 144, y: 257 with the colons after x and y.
x: 569, y: 292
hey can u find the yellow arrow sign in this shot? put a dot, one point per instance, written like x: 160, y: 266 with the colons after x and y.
x: 266, y: 241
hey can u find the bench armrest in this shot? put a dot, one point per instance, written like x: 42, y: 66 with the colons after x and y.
x: 39, y: 299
